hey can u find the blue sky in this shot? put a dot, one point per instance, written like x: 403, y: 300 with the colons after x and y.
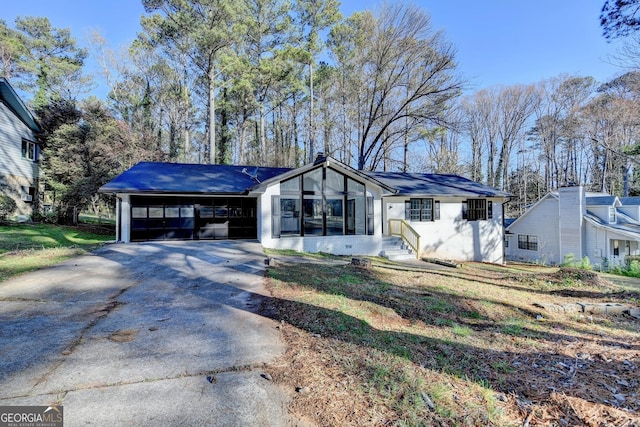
x: 498, y: 41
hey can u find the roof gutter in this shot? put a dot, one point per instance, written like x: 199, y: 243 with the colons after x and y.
x: 138, y: 192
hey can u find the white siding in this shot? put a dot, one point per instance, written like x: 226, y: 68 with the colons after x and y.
x: 541, y: 221
x: 572, y: 210
x: 601, y: 212
x: 125, y: 218
x: 12, y: 130
x: 452, y: 237
x: 16, y: 172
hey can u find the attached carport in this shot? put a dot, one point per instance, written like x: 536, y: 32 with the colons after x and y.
x: 172, y: 201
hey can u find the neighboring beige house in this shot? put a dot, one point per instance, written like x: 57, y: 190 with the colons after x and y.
x: 19, y: 152
x: 572, y: 221
x: 325, y: 206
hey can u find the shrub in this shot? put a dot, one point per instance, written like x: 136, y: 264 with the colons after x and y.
x: 630, y: 258
x: 48, y: 217
x: 632, y: 269
x: 584, y: 264
x: 569, y: 260
x: 7, y: 207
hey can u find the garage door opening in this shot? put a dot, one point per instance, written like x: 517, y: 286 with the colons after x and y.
x: 181, y: 218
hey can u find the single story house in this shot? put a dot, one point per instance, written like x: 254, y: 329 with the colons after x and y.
x: 325, y: 206
x: 573, y: 222
x: 20, y: 173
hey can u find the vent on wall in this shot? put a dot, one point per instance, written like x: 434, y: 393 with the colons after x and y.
x: 28, y: 193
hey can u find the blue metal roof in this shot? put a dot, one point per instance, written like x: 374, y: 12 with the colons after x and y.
x: 13, y: 101
x: 158, y: 178
x: 417, y: 184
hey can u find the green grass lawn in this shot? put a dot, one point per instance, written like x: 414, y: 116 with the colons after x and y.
x: 27, y: 247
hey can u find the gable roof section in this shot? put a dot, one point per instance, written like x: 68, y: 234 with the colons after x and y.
x: 164, y: 178
x: 532, y: 208
x: 601, y: 200
x: 329, y: 162
x: 624, y: 225
x: 630, y: 201
x: 15, y: 104
x: 416, y: 184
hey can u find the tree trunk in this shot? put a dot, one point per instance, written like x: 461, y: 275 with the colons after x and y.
x: 311, y: 118
x: 212, y: 116
x: 262, y: 137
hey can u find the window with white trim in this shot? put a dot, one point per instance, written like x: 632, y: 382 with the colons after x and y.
x: 29, y: 150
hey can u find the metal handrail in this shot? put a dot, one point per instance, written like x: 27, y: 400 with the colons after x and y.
x: 400, y: 227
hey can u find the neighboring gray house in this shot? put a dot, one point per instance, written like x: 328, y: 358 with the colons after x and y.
x: 19, y: 151
x: 602, y: 227
x: 325, y: 206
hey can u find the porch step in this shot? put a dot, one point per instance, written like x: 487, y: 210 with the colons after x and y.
x: 394, y: 249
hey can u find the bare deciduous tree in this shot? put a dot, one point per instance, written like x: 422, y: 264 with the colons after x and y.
x: 405, y: 76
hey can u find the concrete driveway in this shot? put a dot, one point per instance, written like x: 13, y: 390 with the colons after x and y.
x: 144, y: 334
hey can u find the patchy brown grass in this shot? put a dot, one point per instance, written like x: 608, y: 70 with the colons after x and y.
x: 456, y: 347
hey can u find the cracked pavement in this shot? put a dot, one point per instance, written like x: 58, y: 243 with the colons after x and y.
x: 152, y: 333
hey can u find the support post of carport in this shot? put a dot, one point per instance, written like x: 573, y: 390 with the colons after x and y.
x: 118, y: 219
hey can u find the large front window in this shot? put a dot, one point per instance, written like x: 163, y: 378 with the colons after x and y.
x: 322, y: 202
